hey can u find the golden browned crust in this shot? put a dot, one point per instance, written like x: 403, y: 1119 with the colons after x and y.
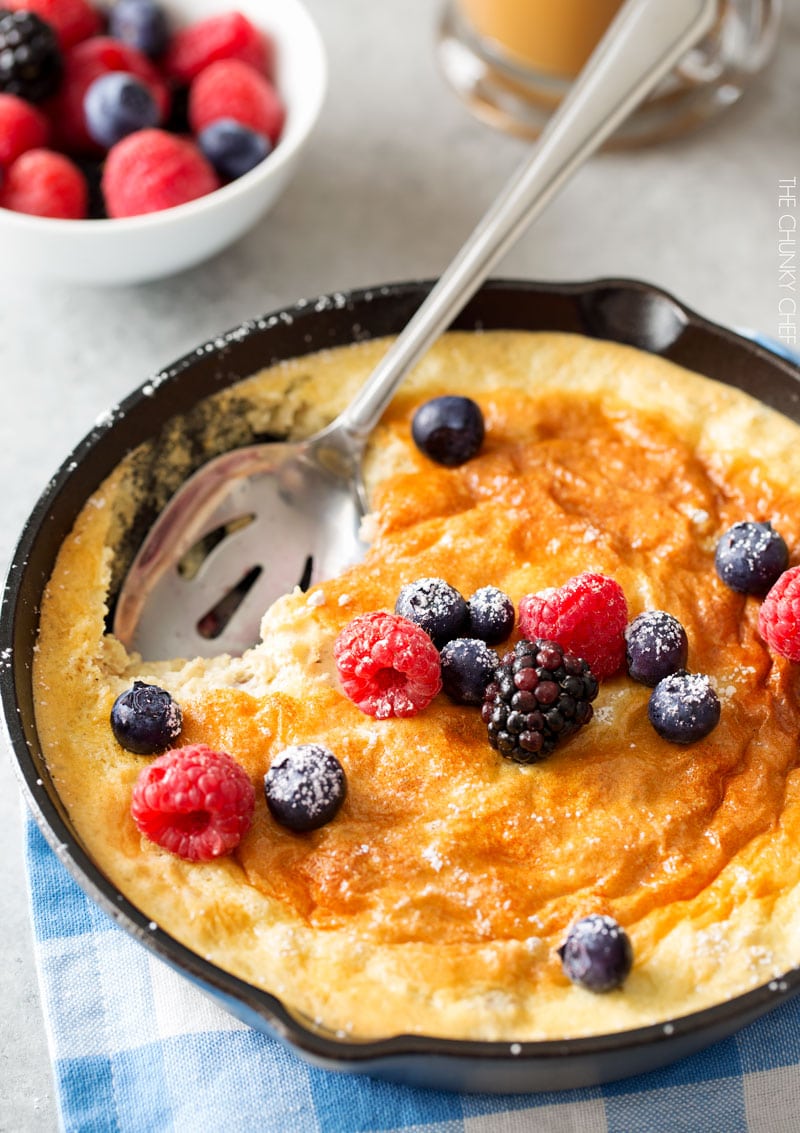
x: 435, y: 900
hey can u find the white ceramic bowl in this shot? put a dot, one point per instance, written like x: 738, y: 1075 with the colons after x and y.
x: 148, y: 247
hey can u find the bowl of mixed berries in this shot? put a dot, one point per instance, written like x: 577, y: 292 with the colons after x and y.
x: 140, y: 137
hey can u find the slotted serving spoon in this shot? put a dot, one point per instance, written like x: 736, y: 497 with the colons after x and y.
x: 288, y: 514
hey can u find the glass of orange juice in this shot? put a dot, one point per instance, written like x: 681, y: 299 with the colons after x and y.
x: 513, y: 60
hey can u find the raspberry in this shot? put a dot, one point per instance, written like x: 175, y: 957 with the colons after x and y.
x: 231, y: 89
x: 587, y: 615
x: 85, y: 63
x: 71, y: 20
x: 43, y: 183
x: 226, y: 36
x: 22, y: 127
x: 539, y: 695
x: 31, y: 64
x: 194, y: 802
x: 152, y: 170
x: 388, y: 666
x: 779, y: 616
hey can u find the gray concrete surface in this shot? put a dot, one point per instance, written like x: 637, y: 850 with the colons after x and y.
x: 395, y: 177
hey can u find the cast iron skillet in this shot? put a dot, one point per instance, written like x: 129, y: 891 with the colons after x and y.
x: 621, y: 310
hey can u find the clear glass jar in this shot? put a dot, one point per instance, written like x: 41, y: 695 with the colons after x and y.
x: 513, y: 60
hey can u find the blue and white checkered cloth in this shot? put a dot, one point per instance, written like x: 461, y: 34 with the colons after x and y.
x: 138, y: 1049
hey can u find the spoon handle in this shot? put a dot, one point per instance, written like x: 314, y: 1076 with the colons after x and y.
x: 641, y: 46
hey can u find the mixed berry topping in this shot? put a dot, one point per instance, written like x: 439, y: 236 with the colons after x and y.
x: 750, y: 557
x: 98, y: 78
x: 31, y: 63
x: 449, y: 429
x: 587, y: 616
x: 194, y: 802
x: 779, y: 616
x: 655, y: 646
x: 434, y: 605
x: 538, y: 696
x: 490, y: 615
x: 683, y: 707
x: 305, y: 787
x: 468, y: 665
x: 387, y: 665
x: 145, y: 719
x: 597, y: 953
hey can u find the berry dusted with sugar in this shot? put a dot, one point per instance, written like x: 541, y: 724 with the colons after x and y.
x: 750, y: 557
x: 232, y: 89
x: 152, y: 170
x: 434, y: 605
x: 233, y: 149
x: 145, y: 719
x: 587, y: 616
x: 142, y: 24
x: 71, y: 20
x: 448, y: 430
x: 115, y: 105
x: 468, y: 665
x: 597, y: 953
x: 305, y: 787
x: 229, y: 35
x: 387, y: 665
x: 655, y: 646
x: 490, y: 615
x: 44, y: 183
x: 194, y: 802
x: 684, y: 707
x: 31, y: 64
x: 22, y: 128
x: 85, y: 63
x: 538, y: 696
x: 779, y: 616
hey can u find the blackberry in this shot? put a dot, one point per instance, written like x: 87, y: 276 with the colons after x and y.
x: 539, y: 695
x: 31, y: 64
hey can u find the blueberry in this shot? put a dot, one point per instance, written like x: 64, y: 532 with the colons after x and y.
x: 491, y: 615
x: 597, y: 953
x: 448, y: 429
x: 684, y: 707
x: 468, y: 665
x: 305, y: 787
x: 145, y: 719
x: 436, y: 606
x: 233, y: 149
x: 750, y: 556
x: 655, y: 646
x: 115, y: 105
x: 141, y: 23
